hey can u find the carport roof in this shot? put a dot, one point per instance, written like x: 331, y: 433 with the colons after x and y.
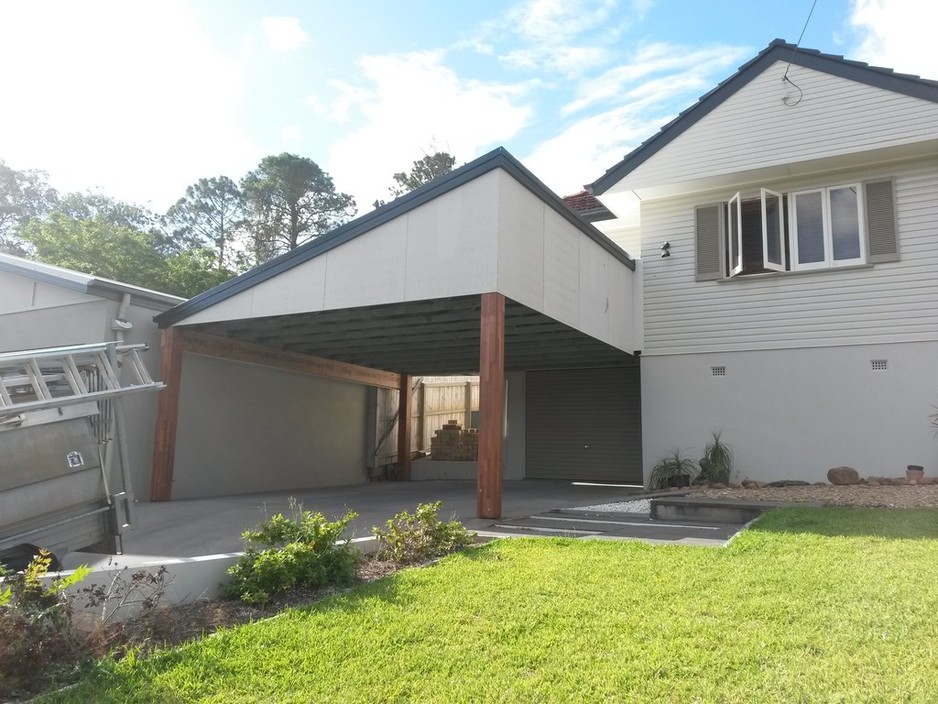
x: 400, y: 288
x: 497, y: 159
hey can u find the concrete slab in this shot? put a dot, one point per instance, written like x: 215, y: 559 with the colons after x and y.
x: 188, y: 528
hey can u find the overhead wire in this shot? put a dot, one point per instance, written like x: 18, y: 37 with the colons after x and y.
x: 785, y: 78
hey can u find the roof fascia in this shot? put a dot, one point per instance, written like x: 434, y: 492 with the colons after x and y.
x: 778, y: 50
x: 498, y: 158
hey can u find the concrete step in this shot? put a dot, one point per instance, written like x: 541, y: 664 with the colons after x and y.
x: 701, y: 510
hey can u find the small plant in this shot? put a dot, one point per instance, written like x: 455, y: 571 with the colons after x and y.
x: 142, y: 589
x: 36, y: 636
x: 717, y: 463
x: 674, y: 470
x: 283, y: 553
x: 420, y: 536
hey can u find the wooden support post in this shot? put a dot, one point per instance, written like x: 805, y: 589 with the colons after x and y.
x: 167, y: 415
x: 491, y: 405
x: 421, y: 416
x: 467, y: 400
x: 403, y: 428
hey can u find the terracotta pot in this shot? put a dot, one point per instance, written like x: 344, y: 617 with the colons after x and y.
x: 914, y: 471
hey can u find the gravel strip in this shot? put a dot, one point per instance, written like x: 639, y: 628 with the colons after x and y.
x: 830, y: 495
x: 636, y: 506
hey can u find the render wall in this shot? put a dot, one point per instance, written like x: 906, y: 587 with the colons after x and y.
x: 246, y: 428
x: 794, y: 414
x: 889, y: 302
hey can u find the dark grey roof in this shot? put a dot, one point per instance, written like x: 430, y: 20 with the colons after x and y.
x: 778, y: 50
x: 496, y: 159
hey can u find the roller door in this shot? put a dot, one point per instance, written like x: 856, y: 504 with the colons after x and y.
x: 584, y: 425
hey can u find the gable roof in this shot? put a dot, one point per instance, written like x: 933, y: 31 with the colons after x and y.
x: 778, y: 50
x: 83, y: 283
x: 497, y: 159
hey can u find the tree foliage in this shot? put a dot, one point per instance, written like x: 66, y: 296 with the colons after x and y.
x: 423, y: 171
x: 98, y: 235
x: 211, y: 214
x: 290, y: 201
x: 23, y: 195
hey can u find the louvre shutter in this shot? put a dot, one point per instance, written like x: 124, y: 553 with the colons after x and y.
x: 881, y: 222
x: 709, y: 233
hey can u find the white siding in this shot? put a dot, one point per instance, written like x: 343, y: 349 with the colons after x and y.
x: 754, y: 129
x: 892, y: 302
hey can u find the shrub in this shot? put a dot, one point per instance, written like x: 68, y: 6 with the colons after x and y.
x: 283, y: 553
x: 36, y: 637
x: 420, y: 536
x: 717, y: 463
x: 673, y: 470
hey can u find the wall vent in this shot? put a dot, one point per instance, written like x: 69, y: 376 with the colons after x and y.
x: 879, y: 365
x: 717, y: 371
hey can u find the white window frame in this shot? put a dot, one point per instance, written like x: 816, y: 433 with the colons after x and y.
x: 828, y: 262
x: 766, y: 264
x: 737, y: 265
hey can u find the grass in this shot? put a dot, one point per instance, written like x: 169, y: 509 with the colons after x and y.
x: 810, y: 605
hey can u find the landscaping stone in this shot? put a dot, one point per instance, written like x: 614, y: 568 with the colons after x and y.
x: 843, y: 476
x: 752, y: 484
x: 788, y: 482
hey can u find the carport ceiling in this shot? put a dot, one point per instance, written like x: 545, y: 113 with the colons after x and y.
x: 438, y: 336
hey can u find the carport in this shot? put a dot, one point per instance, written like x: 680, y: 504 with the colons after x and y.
x: 482, y: 271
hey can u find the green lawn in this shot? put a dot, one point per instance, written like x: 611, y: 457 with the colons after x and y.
x: 829, y: 605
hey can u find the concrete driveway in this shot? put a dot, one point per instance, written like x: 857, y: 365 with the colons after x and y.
x: 188, y: 528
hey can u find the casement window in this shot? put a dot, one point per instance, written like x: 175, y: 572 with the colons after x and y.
x: 846, y: 224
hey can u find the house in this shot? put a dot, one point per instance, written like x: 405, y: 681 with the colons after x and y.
x: 787, y: 226
x: 48, y: 306
x: 783, y: 292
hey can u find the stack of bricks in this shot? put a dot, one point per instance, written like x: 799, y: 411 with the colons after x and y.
x: 453, y: 443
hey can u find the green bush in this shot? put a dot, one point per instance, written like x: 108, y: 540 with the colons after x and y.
x: 674, y: 470
x: 36, y: 636
x: 717, y: 463
x: 283, y: 553
x: 420, y: 536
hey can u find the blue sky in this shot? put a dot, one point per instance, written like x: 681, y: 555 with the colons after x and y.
x: 140, y: 99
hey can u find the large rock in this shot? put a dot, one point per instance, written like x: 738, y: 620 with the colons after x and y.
x: 843, y: 475
x: 788, y: 482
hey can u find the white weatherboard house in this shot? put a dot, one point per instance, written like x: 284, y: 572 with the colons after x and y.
x: 783, y: 290
x: 798, y: 310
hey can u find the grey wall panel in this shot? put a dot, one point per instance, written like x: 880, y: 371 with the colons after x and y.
x: 247, y: 428
x: 584, y: 425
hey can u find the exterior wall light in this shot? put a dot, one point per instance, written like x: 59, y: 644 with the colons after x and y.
x: 666, y: 250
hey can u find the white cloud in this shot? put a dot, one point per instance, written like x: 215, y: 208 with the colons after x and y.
x: 291, y: 134
x: 696, y: 69
x: 567, y: 37
x: 898, y: 34
x: 582, y: 153
x: 408, y: 101
x: 642, y: 95
x: 130, y: 98
x: 283, y: 34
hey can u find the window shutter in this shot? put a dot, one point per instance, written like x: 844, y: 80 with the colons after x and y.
x: 709, y: 235
x: 881, y: 222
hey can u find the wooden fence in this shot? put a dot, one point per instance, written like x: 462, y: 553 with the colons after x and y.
x: 436, y: 400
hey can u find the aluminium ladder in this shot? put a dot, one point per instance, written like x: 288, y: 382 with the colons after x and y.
x: 35, y: 380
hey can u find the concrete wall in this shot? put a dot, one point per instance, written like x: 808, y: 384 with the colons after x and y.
x: 246, y: 428
x: 794, y: 414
